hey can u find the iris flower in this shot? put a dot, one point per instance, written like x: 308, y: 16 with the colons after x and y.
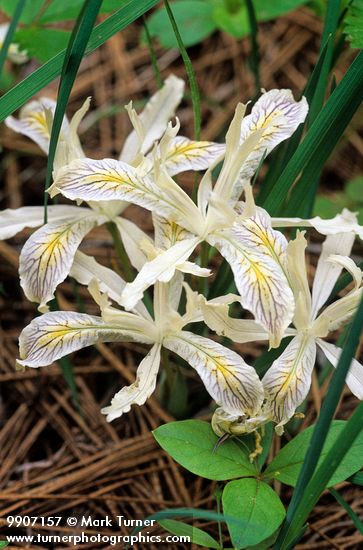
x: 48, y: 254
x: 286, y: 383
x: 14, y: 53
x: 242, y: 233
x: 228, y: 379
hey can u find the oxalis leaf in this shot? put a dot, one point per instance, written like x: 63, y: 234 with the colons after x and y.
x: 194, y: 19
x: 287, y: 463
x: 256, y: 506
x: 191, y: 443
x: 197, y: 536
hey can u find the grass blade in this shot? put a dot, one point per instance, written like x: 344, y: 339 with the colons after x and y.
x: 154, y: 60
x: 357, y: 479
x: 358, y: 524
x: 255, y: 51
x: 72, y: 60
x: 310, y: 486
x: 319, y: 141
x: 285, y: 150
x: 11, y: 31
x: 331, y: 23
x: 22, y: 92
x: 189, y: 70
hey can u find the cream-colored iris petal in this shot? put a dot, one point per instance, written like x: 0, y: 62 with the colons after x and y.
x: 229, y: 380
x: 47, y: 256
x: 328, y: 272
x: 109, y: 180
x: 298, y: 280
x: 204, y: 191
x: 161, y: 268
x: 85, y: 269
x: 239, y: 330
x: 135, y: 242
x: 12, y: 221
x: 338, y: 313
x: 69, y: 146
x: 184, y: 154
x: 288, y: 380
x: 354, y: 379
x: 154, y: 118
x: 56, y: 334
x: 348, y: 264
x: 33, y: 122
x: 14, y: 53
x: 140, y: 390
x: 259, y: 277
x: 236, y: 155
x: 278, y: 115
x: 168, y: 233
x: 258, y: 232
x: 346, y: 222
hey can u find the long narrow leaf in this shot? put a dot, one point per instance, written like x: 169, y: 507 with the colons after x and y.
x: 358, y: 524
x: 330, y: 27
x: 22, y: 92
x: 11, y: 31
x: 309, y: 486
x: 72, y: 60
x: 285, y: 150
x: 320, y: 140
x: 255, y: 52
x: 189, y: 70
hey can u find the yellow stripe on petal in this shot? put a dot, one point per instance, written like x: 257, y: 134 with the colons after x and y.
x: 232, y: 383
x: 278, y: 115
x: 168, y: 233
x: 47, y: 256
x: 54, y: 335
x: 259, y: 277
x: 110, y: 180
x: 288, y: 380
x: 184, y: 154
x: 33, y: 122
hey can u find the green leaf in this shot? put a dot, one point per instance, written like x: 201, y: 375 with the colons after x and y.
x: 3, y: 543
x: 42, y: 43
x: 287, y: 463
x: 235, y: 21
x: 69, y: 9
x: 191, y: 443
x: 197, y: 536
x: 357, y: 478
x: 30, y: 10
x: 354, y: 24
x: 319, y: 141
x: 353, y: 516
x: 354, y: 190
x: 256, y: 506
x: 27, y: 88
x: 265, y: 544
x: 194, y: 19
x: 326, y: 208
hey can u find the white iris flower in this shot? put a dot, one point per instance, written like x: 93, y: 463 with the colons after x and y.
x: 228, y: 379
x: 48, y: 254
x: 242, y: 234
x: 287, y: 381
